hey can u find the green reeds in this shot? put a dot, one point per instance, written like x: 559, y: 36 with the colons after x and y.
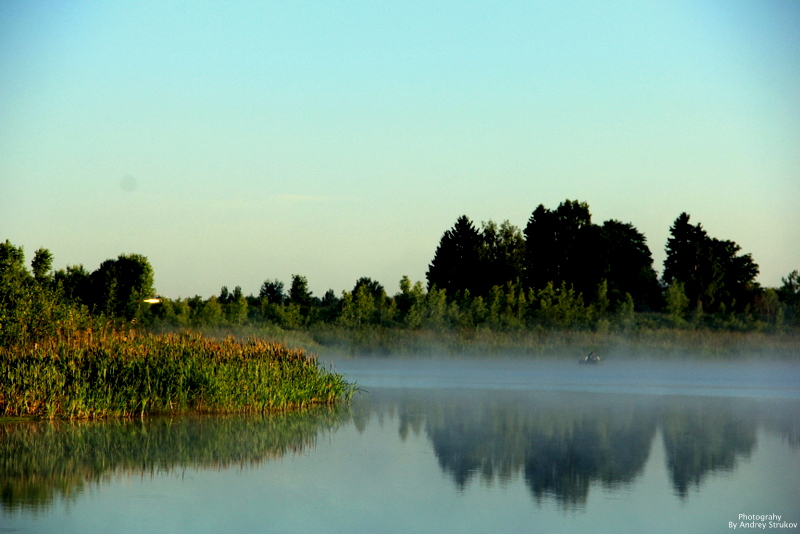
x: 90, y: 375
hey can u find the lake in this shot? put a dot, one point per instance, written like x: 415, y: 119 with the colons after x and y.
x: 438, y: 445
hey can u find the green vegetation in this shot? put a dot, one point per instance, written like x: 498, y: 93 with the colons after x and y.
x: 125, y: 374
x: 497, y: 284
x: 59, y: 360
x: 562, y: 282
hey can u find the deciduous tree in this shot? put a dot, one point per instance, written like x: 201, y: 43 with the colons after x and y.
x: 298, y: 292
x: 710, y: 269
x: 120, y: 286
x: 502, y: 254
x: 272, y: 290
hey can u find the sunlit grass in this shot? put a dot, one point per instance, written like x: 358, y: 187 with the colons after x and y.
x: 90, y: 375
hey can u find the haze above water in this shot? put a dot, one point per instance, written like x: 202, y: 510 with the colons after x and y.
x: 437, y: 445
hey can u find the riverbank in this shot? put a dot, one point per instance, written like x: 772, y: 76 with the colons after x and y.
x: 478, y: 342
x: 124, y: 374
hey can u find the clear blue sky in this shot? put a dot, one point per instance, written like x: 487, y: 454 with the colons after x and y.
x: 232, y: 142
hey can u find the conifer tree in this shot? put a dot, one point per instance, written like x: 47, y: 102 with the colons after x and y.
x: 456, y: 266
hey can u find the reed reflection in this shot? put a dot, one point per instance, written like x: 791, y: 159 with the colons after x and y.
x: 42, y: 460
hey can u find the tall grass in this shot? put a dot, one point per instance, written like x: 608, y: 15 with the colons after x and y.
x: 91, y: 375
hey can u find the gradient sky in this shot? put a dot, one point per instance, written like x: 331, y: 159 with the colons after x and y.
x: 234, y: 142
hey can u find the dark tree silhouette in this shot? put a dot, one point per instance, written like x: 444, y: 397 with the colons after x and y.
x: 373, y: 286
x: 627, y: 265
x: 686, y: 259
x: 502, y: 254
x: 76, y: 283
x: 299, y: 293
x: 710, y: 270
x: 541, y: 248
x: 560, y: 246
x: 790, y: 290
x: 563, y: 246
x: 456, y: 266
x: 273, y: 291
x: 225, y: 296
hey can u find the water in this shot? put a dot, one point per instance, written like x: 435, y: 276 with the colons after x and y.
x: 436, y: 446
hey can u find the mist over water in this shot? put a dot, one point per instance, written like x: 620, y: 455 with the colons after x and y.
x: 740, y: 378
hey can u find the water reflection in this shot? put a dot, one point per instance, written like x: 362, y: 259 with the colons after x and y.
x: 39, y: 461
x: 701, y: 438
x: 562, y: 443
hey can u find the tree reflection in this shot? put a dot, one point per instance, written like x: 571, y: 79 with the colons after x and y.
x: 705, y: 438
x: 560, y: 444
x: 609, y: 445
x: 39, y: 461
x: 563, y: 443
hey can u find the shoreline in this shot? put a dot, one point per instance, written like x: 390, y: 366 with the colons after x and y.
x: 642, y: 343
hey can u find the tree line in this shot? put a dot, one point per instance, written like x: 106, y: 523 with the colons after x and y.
x: 561, y: 271
x: 39, y: 303
x: 561, y: 247
x: 612, y: 261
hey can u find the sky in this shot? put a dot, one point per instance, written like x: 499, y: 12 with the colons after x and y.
x: 235, y: 142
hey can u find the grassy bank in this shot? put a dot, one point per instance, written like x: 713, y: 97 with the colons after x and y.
x: 333, y: 341
x: 91, y: 375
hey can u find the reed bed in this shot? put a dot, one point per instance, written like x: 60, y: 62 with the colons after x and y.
x: 123, y: 374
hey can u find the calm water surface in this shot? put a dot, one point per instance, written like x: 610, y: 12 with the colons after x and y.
x: 437, y: 446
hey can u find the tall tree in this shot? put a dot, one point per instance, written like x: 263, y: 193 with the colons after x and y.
x: 789, y: 294
x: 502, y: 254
x: 627, y: 265
x: 298, y: 292
x: 120, y: 286
x: 31, y: 307
x: 541, y: 248
x: 12, y: 265
x: 272, y: 290
x: 373, y: 286
x: 456, y: 266
x: 789, y: 291
x: 41, y: 265
x: 76, y: 283
x: 737, y: 286
x: 368, y: 289
x: 563, y: 246
x: 688, y: 259
x: 559, y: 246
x: 710, y: 269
